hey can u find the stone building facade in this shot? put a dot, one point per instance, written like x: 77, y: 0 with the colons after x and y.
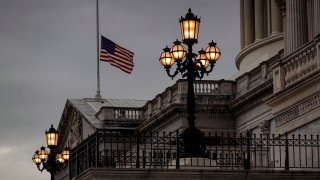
x: 276, y: 91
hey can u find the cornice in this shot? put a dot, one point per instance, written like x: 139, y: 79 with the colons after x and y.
x: 251, y: 95
x: 179, y: 110
x: 301, y: 83
x: 63, y: 124
x: 256, y: 45
x: 301, y: 49
x: 159, y: 117
x: 298, y: 110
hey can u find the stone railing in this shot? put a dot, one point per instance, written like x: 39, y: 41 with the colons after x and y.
x: 120, y: 113
x: 206, y: 87
x: 127, y: 113
x: 177, y: 93
x: 301, y: 63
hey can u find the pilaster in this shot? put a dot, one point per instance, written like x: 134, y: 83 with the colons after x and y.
x: 278, y: 78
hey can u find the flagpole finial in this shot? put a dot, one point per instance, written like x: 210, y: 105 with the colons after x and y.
x: 98, y: 96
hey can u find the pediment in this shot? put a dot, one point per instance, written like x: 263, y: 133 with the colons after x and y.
x: 70, y: 127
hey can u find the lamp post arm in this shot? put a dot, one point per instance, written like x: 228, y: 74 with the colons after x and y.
x: 41, y: 169
x: 203, y: 70
x: 200, y: 74
x: 172, y: 75
x: 183, y: 66
x: 64, y: 165
x: 211, y: 67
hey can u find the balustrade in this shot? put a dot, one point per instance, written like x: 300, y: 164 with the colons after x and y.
x: 173, y: 93
x: 127, y: 113
x: 301, y: 63
x: 120, y: 113
x: 206, y: 87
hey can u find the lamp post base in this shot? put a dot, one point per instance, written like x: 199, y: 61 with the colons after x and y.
x: 192, y: 143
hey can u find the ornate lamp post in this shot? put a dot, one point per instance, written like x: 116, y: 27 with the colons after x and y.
x: 191, y: 66
x: 52, y: 161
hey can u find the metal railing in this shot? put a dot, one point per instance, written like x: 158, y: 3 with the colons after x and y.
x: 115, y: 149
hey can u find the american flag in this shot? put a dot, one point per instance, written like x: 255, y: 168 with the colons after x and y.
x: 117, y: 56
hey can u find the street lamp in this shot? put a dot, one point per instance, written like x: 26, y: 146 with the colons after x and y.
x: 51, y: 161
x: 191, y: 66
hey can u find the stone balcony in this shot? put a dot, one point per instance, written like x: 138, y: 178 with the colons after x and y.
x: 120, y: 116
x: 206, y: 91
x: 297, y: 66
x: 167, y: 111
x: 301, y: 63
x: 210, y: 96
x: 108, y: 113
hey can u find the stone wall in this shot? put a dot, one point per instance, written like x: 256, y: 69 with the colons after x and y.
x: 194, y: 174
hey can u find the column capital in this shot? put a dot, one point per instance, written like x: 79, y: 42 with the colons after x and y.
x: 282, y: 5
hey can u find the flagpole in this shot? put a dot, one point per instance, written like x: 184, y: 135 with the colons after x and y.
x: 98, y: 96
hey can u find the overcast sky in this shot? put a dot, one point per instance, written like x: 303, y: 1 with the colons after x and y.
x: 48, y: 54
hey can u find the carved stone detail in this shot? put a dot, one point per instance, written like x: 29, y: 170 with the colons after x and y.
x: 75, y: 134
x: 297, y: 111
x: 300, y: 64
x: 265, y: 127
x: 264, y: 71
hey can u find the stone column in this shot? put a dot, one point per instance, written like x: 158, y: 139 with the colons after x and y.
x: 258, y: 19
x: 242, y: 23
x: 316, y: 19
x: 282, y: 5
x: 310, y: 15
x: 248, y: 22
x: 297, y: 33
x: 276, y: 24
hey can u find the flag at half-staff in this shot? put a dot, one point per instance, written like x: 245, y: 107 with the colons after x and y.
x: 116, y: 55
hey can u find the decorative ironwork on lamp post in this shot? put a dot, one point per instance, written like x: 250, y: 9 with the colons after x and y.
x: 51, y: 161
x: 191, y: 66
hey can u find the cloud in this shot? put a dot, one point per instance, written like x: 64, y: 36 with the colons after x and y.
x: 48, y: 54
x: 5, y: 151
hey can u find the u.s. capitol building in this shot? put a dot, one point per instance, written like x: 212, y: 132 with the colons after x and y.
x: 260, y: 124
